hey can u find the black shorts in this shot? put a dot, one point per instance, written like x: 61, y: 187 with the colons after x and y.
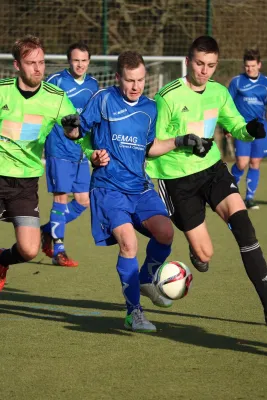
x: 186, y: 197
x: 18, y: 197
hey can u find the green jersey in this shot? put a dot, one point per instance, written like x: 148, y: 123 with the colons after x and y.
x: 24, y: 125
x: 182, y: 111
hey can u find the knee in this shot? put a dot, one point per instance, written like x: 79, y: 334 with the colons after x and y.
x: 28, y: 253
x: 165, y: 237
x: 84, y: 203
x: 241, y: 165
x: 128, y: 249
x: 28, y: 250
x: 164, y: 232
x: 242, y: 228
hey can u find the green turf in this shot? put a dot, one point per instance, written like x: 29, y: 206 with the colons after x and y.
x: 62, y: 334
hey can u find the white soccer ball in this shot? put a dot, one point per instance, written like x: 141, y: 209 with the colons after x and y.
x: 173, y: 280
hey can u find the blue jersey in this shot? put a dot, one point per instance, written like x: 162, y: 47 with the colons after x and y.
x: 124, y: 129
x: 250, y: 96
x: 57, y: 145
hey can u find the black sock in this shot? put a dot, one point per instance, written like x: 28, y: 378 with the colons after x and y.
x: 251, y: 253
x: 11, y: 256
x: 256, y: 269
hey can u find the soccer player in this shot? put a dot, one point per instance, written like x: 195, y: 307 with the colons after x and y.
x: 29, y: 107
x: 67, y: 168
x: 249, y: 92
x: 195, y: 104
x: 122, y: 197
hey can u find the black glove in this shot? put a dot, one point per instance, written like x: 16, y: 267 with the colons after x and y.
x: 207, y: 144
x: 199, y: 146
x: 256, y: 129
x: 71, y: 121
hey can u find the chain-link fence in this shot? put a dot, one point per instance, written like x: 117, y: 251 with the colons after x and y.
x: 154, y: 27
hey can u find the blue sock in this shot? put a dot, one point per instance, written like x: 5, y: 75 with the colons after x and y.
x: 47, y: 227
x: 73, y: 210
x: 129, y: 275
x: 57, y: 221
x: 253, y: 177
x: 238, y: 173
x: 156, y: 255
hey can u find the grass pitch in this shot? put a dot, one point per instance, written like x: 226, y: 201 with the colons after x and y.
x: 62, y: 334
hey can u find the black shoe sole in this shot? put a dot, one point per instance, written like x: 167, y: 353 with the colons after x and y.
x: 200, y: 266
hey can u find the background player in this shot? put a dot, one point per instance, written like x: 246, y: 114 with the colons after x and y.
x: 29, y: 108
x: 249, y: 92
x: 67, y: 168
x: 122, y: 196
x: 195, y: 104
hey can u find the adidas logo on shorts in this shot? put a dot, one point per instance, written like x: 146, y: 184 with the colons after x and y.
x: 5, y: 107
x: 185, y: 109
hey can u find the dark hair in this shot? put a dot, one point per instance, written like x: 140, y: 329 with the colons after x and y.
x: 251, y: 55
x: 24, y: 46
x: 207, y: 44
x: 80, y: 46
x: 130, y: 60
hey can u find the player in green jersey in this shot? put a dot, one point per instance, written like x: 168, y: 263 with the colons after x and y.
x: 29, y: 107
x: 195, y: 104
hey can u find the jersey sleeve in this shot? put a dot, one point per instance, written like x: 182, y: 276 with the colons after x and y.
x: 152, y: 131
x: 232, y: 121
x: 66, y: 108
x: 96, y: 89
x: 163, y: 119
x: 233, y: 88
x: 91, y: 114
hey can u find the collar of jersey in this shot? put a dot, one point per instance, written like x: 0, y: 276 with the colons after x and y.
x: 79, y: 82
x: 130, y: 103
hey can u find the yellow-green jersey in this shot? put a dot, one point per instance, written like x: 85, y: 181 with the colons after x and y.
x: 182, y: 111
x: 25, y: 124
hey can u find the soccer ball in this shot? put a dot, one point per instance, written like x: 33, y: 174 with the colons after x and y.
x: 173, y: 280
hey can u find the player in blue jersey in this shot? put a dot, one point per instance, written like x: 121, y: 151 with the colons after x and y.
x: 67, y: 168
x: 249, y: 92
x: 122, y: 196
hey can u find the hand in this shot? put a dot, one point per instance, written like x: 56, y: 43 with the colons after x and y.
x: 70, y: 124
x: 200, y: 146
x: 100, y: 158
x: 71, y: 121
x: 207, y: 145
x: 256, y: 129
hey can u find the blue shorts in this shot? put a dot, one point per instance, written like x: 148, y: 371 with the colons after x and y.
x: 255, y: 149
x: 110, y: 209
x: 64, y: 176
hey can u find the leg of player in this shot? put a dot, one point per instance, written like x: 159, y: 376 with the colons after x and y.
x: 233, y: 211
x: 76, y: 206
x: 25, y: 249
x: 80, y: 189
x: 71, y: 211
x: 58, y: 225
x: 252, y: 183
x: 62, y: 176
x: 200, y: 247
x: 242, y: 154
x: 158, y: 249
x: 238, y: 168
x: 127, y: 267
